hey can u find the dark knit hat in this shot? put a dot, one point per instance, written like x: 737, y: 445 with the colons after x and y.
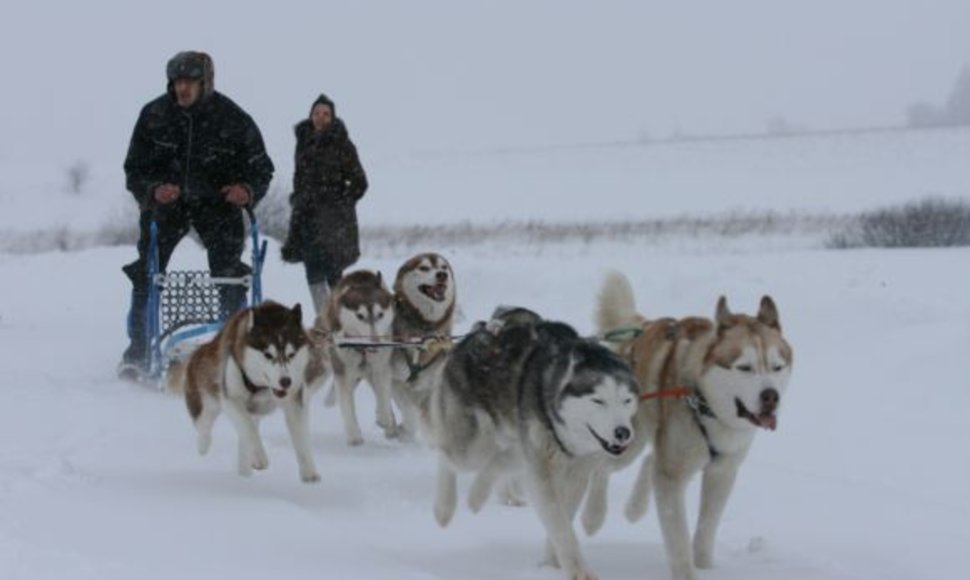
x: 193, y: 65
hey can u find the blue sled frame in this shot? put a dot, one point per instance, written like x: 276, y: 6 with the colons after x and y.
x: 162, y: 341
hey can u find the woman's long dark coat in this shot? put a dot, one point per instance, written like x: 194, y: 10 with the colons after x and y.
x: 327, y: 183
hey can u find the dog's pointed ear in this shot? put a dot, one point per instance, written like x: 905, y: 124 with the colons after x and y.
x: 723, y: 314
x: 250, y: 319
x: 297, y: 313
x: 380, y: 279
x: 768, y: 313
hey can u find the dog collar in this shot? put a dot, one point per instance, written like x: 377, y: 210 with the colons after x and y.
x: 252, y: 387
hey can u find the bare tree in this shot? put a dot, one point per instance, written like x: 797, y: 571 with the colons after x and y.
x: 77, y: 176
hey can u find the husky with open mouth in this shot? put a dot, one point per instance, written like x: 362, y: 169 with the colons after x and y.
x: 524, y: 397
x: 707, y: 388
x: 424, y: 308
x: 261, y: 359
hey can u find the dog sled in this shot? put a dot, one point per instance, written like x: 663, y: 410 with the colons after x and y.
x: 186, y: 305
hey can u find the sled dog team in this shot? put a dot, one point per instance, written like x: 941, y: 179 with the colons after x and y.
x: 519, y: 402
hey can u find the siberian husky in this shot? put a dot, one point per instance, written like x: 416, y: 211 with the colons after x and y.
x: 707, y: 386
x: 361, y: 310
x: 261, y: 359
x: 528, y: 397
x: 424, y: 308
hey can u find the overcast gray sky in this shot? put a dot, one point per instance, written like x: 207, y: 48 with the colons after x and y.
x: 419, y: 75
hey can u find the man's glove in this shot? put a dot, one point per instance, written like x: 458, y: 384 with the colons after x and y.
x: 237, y: 194
x: 166, y: 193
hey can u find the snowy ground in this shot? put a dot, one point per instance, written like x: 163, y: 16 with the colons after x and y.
x: 865, y: 478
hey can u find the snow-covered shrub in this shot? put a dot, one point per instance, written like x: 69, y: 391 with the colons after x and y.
x: 929, y: 222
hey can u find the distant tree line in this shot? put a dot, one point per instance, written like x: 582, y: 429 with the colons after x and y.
x: 956, y: 110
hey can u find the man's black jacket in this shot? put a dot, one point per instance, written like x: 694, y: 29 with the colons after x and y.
x: 201, y: 148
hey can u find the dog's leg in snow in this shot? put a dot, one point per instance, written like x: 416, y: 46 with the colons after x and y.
x: 550, y: 503
x: 380, y: 380
x: 210, y: 409
x: 511, y: 492
x: 639, y: 500
x: 348, y: 410
x: 594, y: 510
x: 718, y: 480
x: 500, y: 463
x: 408, y: 431
x: 446, y: 493
x: 670, y: 490
x: 330, y: 399
x: 252, y: 455
x: 297, y: 415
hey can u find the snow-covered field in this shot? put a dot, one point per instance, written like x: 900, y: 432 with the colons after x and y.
x: 848, y: 173
x: 865, y: 478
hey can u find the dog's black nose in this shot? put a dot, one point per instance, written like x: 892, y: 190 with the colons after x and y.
x: 285, y: 382
x: 622, y: 434
x: 769, y: 399
x: 442, y: 276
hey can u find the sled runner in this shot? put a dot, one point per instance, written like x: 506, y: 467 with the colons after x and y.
x: 184, y: 305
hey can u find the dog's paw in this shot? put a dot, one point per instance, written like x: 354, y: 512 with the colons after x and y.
x: 392, y: 432
x: 310, y: 477
x: 355, y: 440
x: 583, y: 574
x: 443, y: 514
x: 204, y: 443
x: 479, y: 494
x: 260, y: 460
x: 550, y: 558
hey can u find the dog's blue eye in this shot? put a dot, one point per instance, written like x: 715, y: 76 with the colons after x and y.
x: 268, y: 356
x: 745, y: 368
x: 599, y: 401
x: 777, y: 368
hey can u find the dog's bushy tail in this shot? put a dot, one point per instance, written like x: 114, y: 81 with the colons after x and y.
x: 175, y: 378
x: 615, y: 306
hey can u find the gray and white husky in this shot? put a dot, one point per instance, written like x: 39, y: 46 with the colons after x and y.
x: 530, y: 398
x: 733, y: 371
x: 261, y: 359
x: 361, y: 310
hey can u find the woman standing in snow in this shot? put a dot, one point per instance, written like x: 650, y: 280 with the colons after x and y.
x: 328, y: 180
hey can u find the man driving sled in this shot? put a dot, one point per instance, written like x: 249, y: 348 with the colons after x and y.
x: 195, y: 160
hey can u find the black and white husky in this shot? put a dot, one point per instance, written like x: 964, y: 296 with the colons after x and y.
x: 530, y: 398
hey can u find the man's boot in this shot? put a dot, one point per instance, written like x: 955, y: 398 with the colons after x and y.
x: 232, y: 297
x: 134, y: 361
